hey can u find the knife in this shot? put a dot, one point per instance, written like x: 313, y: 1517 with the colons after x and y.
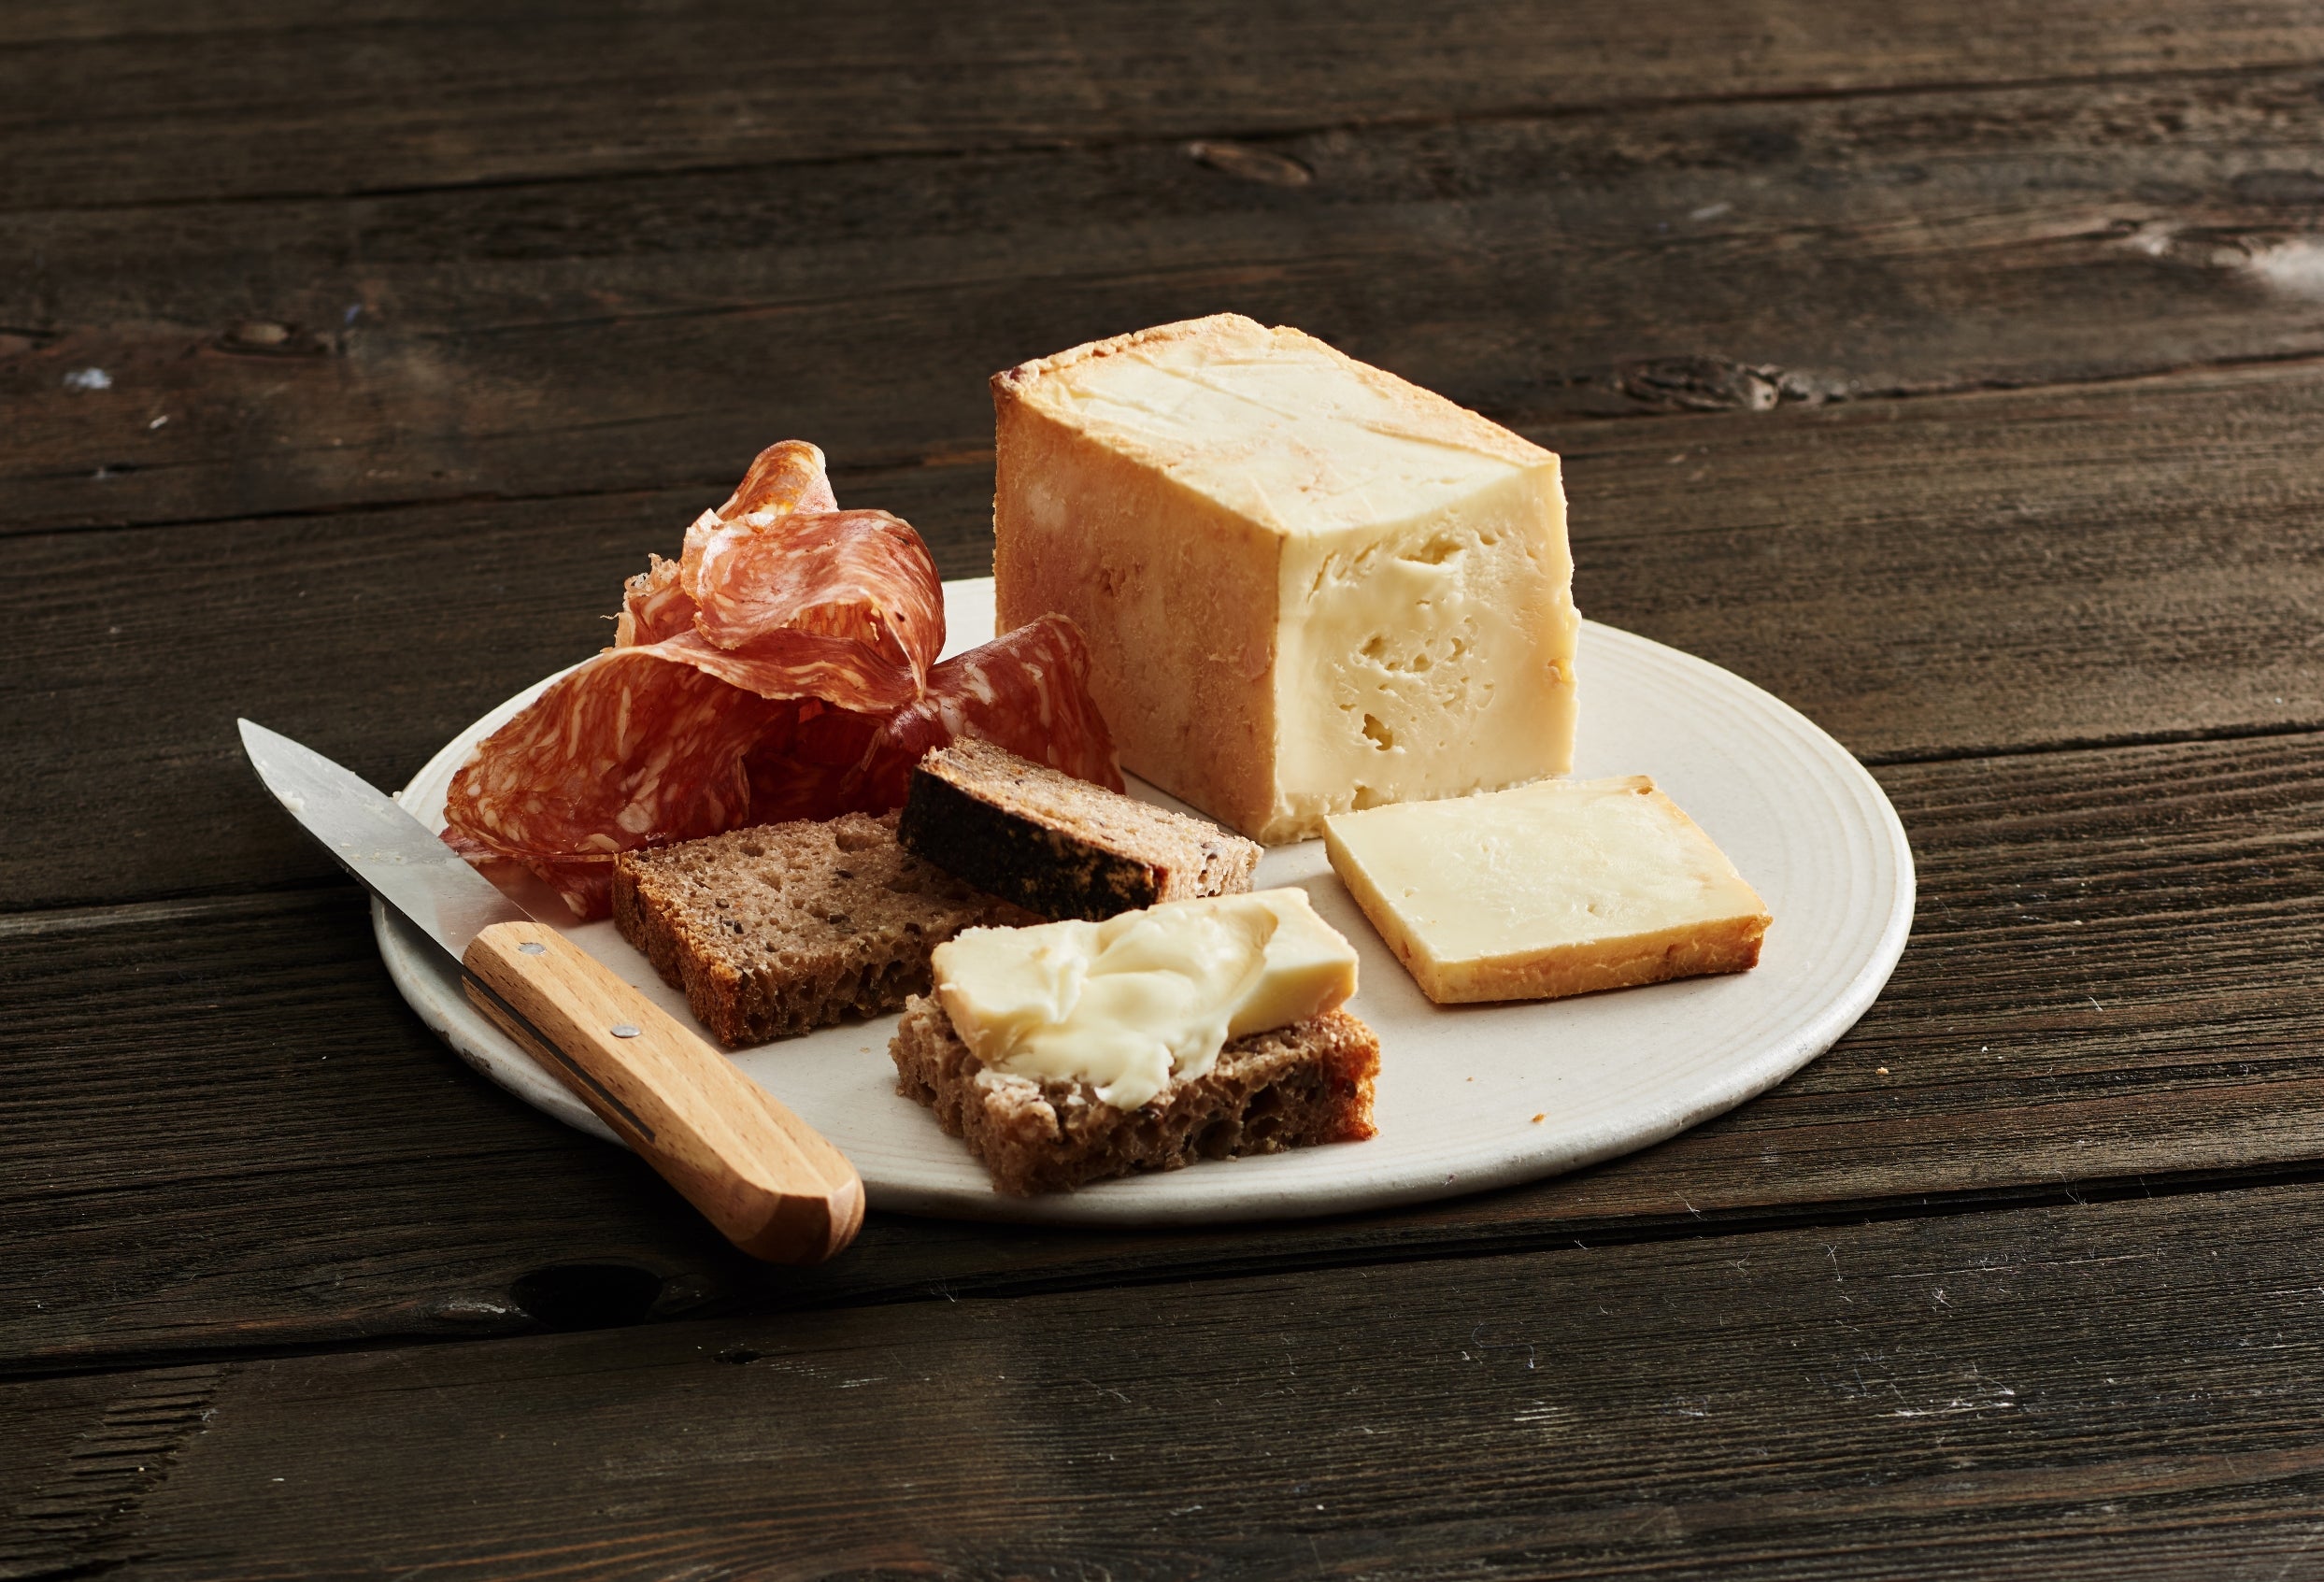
x: 771, y: 1183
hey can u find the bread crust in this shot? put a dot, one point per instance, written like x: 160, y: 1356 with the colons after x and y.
x: 1728, y: 946
x: 1058, y: 846
x: 1294, y: 1086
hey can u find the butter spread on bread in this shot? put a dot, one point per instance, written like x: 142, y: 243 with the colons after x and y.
x: 1549, y: 890
x: 1139, y: 1002
x: 1307, y: 586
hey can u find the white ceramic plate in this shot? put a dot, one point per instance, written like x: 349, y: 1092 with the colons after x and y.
x: 1459, y: 1087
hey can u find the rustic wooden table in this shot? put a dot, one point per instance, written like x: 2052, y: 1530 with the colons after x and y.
x: 1956, y: 373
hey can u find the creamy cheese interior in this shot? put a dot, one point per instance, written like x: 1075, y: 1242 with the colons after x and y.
x: 1139, y: 1000
x: 1558, y: 863
x: 1428, y: 658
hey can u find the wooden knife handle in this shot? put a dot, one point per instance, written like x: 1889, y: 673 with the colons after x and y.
x: 769, y: 1181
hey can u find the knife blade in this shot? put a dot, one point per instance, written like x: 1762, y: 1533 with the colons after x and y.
x: 771, y: 1183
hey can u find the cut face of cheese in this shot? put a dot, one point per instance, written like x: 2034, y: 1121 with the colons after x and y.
x: 1144, y: 999
x: 1307, y: 586
x: 1560, y: 888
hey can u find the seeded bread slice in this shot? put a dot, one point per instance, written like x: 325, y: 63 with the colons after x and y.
x: 1310, y: 1082
x: 775, y: 931
x: 1059, y: 846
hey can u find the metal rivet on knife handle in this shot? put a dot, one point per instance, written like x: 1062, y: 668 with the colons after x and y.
x: 763, y: 1176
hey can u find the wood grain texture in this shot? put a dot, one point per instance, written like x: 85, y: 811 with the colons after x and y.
x: 1986, y: 572
x: 645, y: 334
x: 1971, y: 1396
x: 274, y: 98
x: 226, y: 1130
x: 769, y: 1182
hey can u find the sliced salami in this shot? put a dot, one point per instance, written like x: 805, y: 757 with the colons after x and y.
x: 654, y: 607
x: 787, y: 476
x: 1027, y: 691
x: 806, y: 767
x: 841, y: 606
x: 782, y: 667
x: 625, y: 751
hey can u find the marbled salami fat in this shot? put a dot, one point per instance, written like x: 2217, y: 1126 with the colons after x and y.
x: 1027, y: 691
x: 628, y: 751
x: 783, y: 668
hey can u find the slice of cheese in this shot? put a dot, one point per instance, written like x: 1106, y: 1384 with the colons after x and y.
x: 1144, y: 999
x: 1554, y: 889
x: 1307, y: 585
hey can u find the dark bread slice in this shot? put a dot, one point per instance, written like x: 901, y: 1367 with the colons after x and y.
x: 1310, y: 1082
x: 1061, y: 847
x: 777, y: 931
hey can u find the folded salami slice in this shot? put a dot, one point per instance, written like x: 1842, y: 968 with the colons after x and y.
x: 653, y: 607
x: 782, y: 667
x: 1027, y: 691
x: 785, y: 479
x: 840, y: 606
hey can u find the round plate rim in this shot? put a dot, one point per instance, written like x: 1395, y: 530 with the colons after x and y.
x: 430, y: 988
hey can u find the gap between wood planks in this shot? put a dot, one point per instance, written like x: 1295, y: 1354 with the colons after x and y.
x: 1980, y: 1382
x: 936, y: 458
x: 1256, y: 137
x: 488, y: 347
x: 1582, y: 1238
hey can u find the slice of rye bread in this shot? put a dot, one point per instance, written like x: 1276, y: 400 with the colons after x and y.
x: 779, y: 930
x: 1310, y: 1082
x: 1061, y: 847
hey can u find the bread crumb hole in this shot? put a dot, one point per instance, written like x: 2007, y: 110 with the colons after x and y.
x: 1377, y: 733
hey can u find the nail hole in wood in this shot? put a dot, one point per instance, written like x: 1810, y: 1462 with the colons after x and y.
x: 587, y: 1296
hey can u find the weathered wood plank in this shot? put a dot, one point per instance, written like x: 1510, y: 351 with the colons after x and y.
x: 1964, y: 1396
x: 1937, y: 578
x: 131, y: 102
x: 1925, y: 577
x: 645, y: 333
x: 226, y: 1130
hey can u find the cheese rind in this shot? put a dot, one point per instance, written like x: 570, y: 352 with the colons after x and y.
x: 1561, y: 887
x: 1140, y: 1001
x: 1307, y: 586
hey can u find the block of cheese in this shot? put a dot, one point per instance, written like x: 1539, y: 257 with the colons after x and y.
x: 1560, y: 888
x: 1307, y: 586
